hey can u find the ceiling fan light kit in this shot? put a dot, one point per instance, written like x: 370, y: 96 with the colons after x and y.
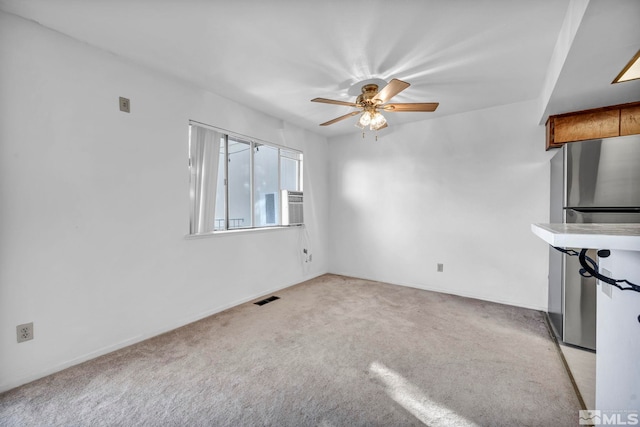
x: 371, y: 100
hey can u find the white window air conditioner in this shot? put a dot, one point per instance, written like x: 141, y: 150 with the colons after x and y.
x: 292, y: 208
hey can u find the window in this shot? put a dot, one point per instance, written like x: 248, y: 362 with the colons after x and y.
x: 290, y: 170
x: 266, y: 185
x: 236, y: 181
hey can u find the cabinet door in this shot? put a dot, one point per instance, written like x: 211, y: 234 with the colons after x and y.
x: 630, y: 121
x: 580, y: 127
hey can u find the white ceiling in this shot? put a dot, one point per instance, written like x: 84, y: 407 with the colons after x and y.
x: 277, y: 55
x: 607, y: 39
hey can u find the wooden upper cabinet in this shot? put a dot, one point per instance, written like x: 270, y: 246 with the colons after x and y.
x: 630, y: 121
x: 604, y: 122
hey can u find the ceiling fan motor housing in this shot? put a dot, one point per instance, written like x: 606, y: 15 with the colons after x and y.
x: 368, y: 92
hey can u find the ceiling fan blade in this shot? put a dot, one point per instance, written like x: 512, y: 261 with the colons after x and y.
x: 394, y: 87
x: 333, y: 101
x: 411, y: 106
x: 346, y: 116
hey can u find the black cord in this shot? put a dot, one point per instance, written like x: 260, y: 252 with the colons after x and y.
x: 590, y: 269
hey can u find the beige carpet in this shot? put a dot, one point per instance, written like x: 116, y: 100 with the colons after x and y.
x: 333, y: 351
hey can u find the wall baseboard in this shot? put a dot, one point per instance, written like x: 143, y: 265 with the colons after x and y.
x: 142, y: 337
x: 447, y: 291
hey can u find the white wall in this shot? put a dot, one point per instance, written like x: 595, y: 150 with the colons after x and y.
x: 94, y: 205
x: 460, y: 190
x: 618, y: 338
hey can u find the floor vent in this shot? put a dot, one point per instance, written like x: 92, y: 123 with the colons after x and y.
x: 266, y: 300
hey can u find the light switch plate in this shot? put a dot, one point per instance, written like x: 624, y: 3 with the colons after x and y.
x: 125, y: 105
x: 606, y: 288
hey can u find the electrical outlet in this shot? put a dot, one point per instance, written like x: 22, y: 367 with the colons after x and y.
x: 125, y: 105
x: 440, y: 268
x: 24, y: 332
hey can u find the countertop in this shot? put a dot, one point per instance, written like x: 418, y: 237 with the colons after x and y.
x: 593, y: 236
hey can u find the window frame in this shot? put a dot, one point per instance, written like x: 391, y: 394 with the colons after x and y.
x: 253, y: 142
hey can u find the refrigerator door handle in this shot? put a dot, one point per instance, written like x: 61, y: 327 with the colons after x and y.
x: 601, y: 215
x: 605, y: 209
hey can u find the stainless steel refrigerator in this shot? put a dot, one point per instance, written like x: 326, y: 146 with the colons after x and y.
x: 595, y: 181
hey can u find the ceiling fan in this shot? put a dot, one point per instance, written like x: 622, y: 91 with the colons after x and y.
x: 371, y: 101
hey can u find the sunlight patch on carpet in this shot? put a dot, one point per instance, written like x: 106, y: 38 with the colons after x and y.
x: 415, y: 401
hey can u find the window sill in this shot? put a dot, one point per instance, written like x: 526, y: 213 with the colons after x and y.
x: 241, y: 231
